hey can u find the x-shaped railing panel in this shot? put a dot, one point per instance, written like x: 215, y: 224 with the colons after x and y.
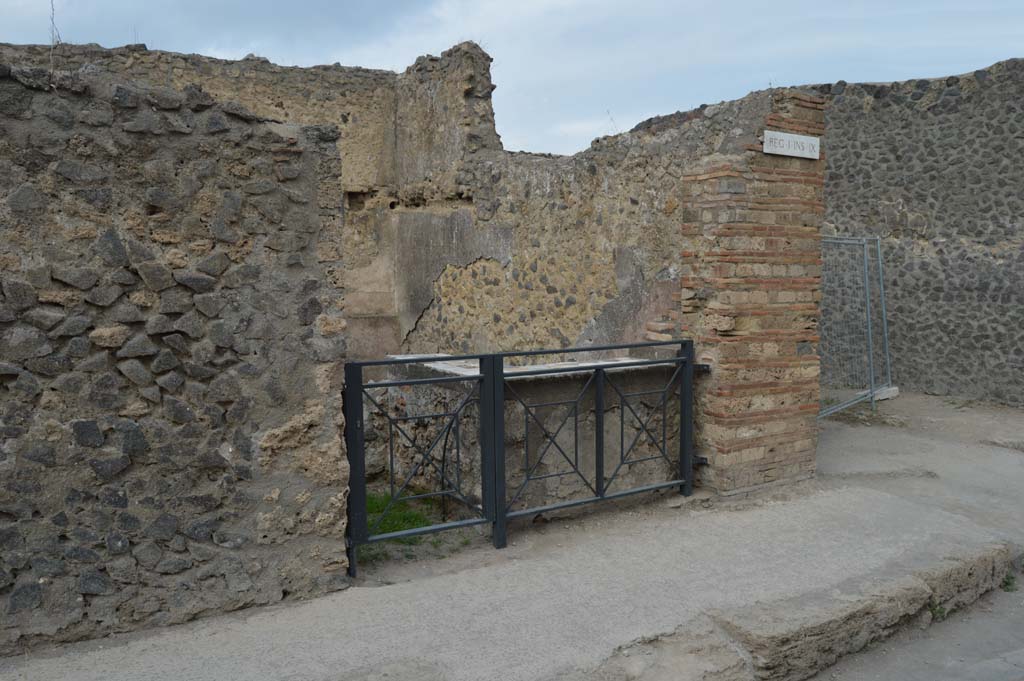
x: 660, y: 445
x: 530, y: 411
x: 424, y: 457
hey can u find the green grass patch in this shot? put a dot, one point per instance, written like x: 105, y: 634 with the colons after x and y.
x: 1009, y: 583
x: 402, y: 515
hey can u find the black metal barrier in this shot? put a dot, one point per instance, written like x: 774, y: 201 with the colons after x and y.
x: 489, y: 390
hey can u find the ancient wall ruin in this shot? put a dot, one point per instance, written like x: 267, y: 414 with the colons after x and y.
x: 162, y: 345
x: 186, y: 277
x: 932, y: 166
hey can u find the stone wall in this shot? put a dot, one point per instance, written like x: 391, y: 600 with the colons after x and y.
x: 219, y: 269
x: 361, y: 103
x: 932, y: 166
x: 169, y: 357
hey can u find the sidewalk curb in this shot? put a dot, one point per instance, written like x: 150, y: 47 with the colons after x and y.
x: 793, y: 639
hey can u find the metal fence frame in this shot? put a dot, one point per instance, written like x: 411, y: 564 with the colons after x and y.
x: 870, y: 252
x: 489, y: 385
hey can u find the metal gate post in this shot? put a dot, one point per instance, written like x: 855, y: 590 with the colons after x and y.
x: 599, y: 431
x: 356, y: 529
x: 686, y: 419
x: 885, y: 320
x: 486, y: 437
x: 492, y: 438
x: 867, y: 314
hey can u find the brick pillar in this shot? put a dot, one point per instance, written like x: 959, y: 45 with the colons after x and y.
x: 750, y: 297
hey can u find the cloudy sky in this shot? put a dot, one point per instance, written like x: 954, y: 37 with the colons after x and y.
x: 568, y: 70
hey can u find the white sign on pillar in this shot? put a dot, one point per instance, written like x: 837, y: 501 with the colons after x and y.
x: 788, y: 144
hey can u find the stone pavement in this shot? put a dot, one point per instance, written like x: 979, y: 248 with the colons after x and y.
x: 903, y: 519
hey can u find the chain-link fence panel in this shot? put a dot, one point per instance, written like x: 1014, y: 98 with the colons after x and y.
x: 854, y: 345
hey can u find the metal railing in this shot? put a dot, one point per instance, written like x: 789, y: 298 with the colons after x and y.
x: 854, y: 332
x: 490, y: 390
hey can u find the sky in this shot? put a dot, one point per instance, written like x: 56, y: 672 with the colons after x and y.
x: 567, y: 71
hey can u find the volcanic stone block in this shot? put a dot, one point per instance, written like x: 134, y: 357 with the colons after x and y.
x: 163, y: 527
x: 48, y: 567
x: 110, y: 249
x: 114, y: 497
x: 78, y: 347
x: 104, y: 296
x: 159, y: 324
x: 117, y: 543
x: 214, y: 264
x: 175, y: 301
x: 20, y: 295
x: 171, y: 381
x: 201, y: 530
x: 190, y: 324
x: 140, y: 254
x: 178, y: 411
x: 123, y: 277
x: 197, y: 281
x: 172, y: 565
x: 44, y: 318
x: 126, y: 313
x: 148, y: 554
x: 221, y: 335
x: 108, y: 469
x: 135, y: 372
x: 176, y: 341
x: 151, y: 394
x: 241, y: 275
x: 210, y: 304
x: 94, y: 582
x: 72, y: 326
x: 164, y: 361
x: 19, y: 343
x: 156, y: 276
x: 50, y: 365
x: 138, y: 346
x: 82, y: 278
x: 87, y: 433
x: 133, y: 439
x: 94, y: 363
